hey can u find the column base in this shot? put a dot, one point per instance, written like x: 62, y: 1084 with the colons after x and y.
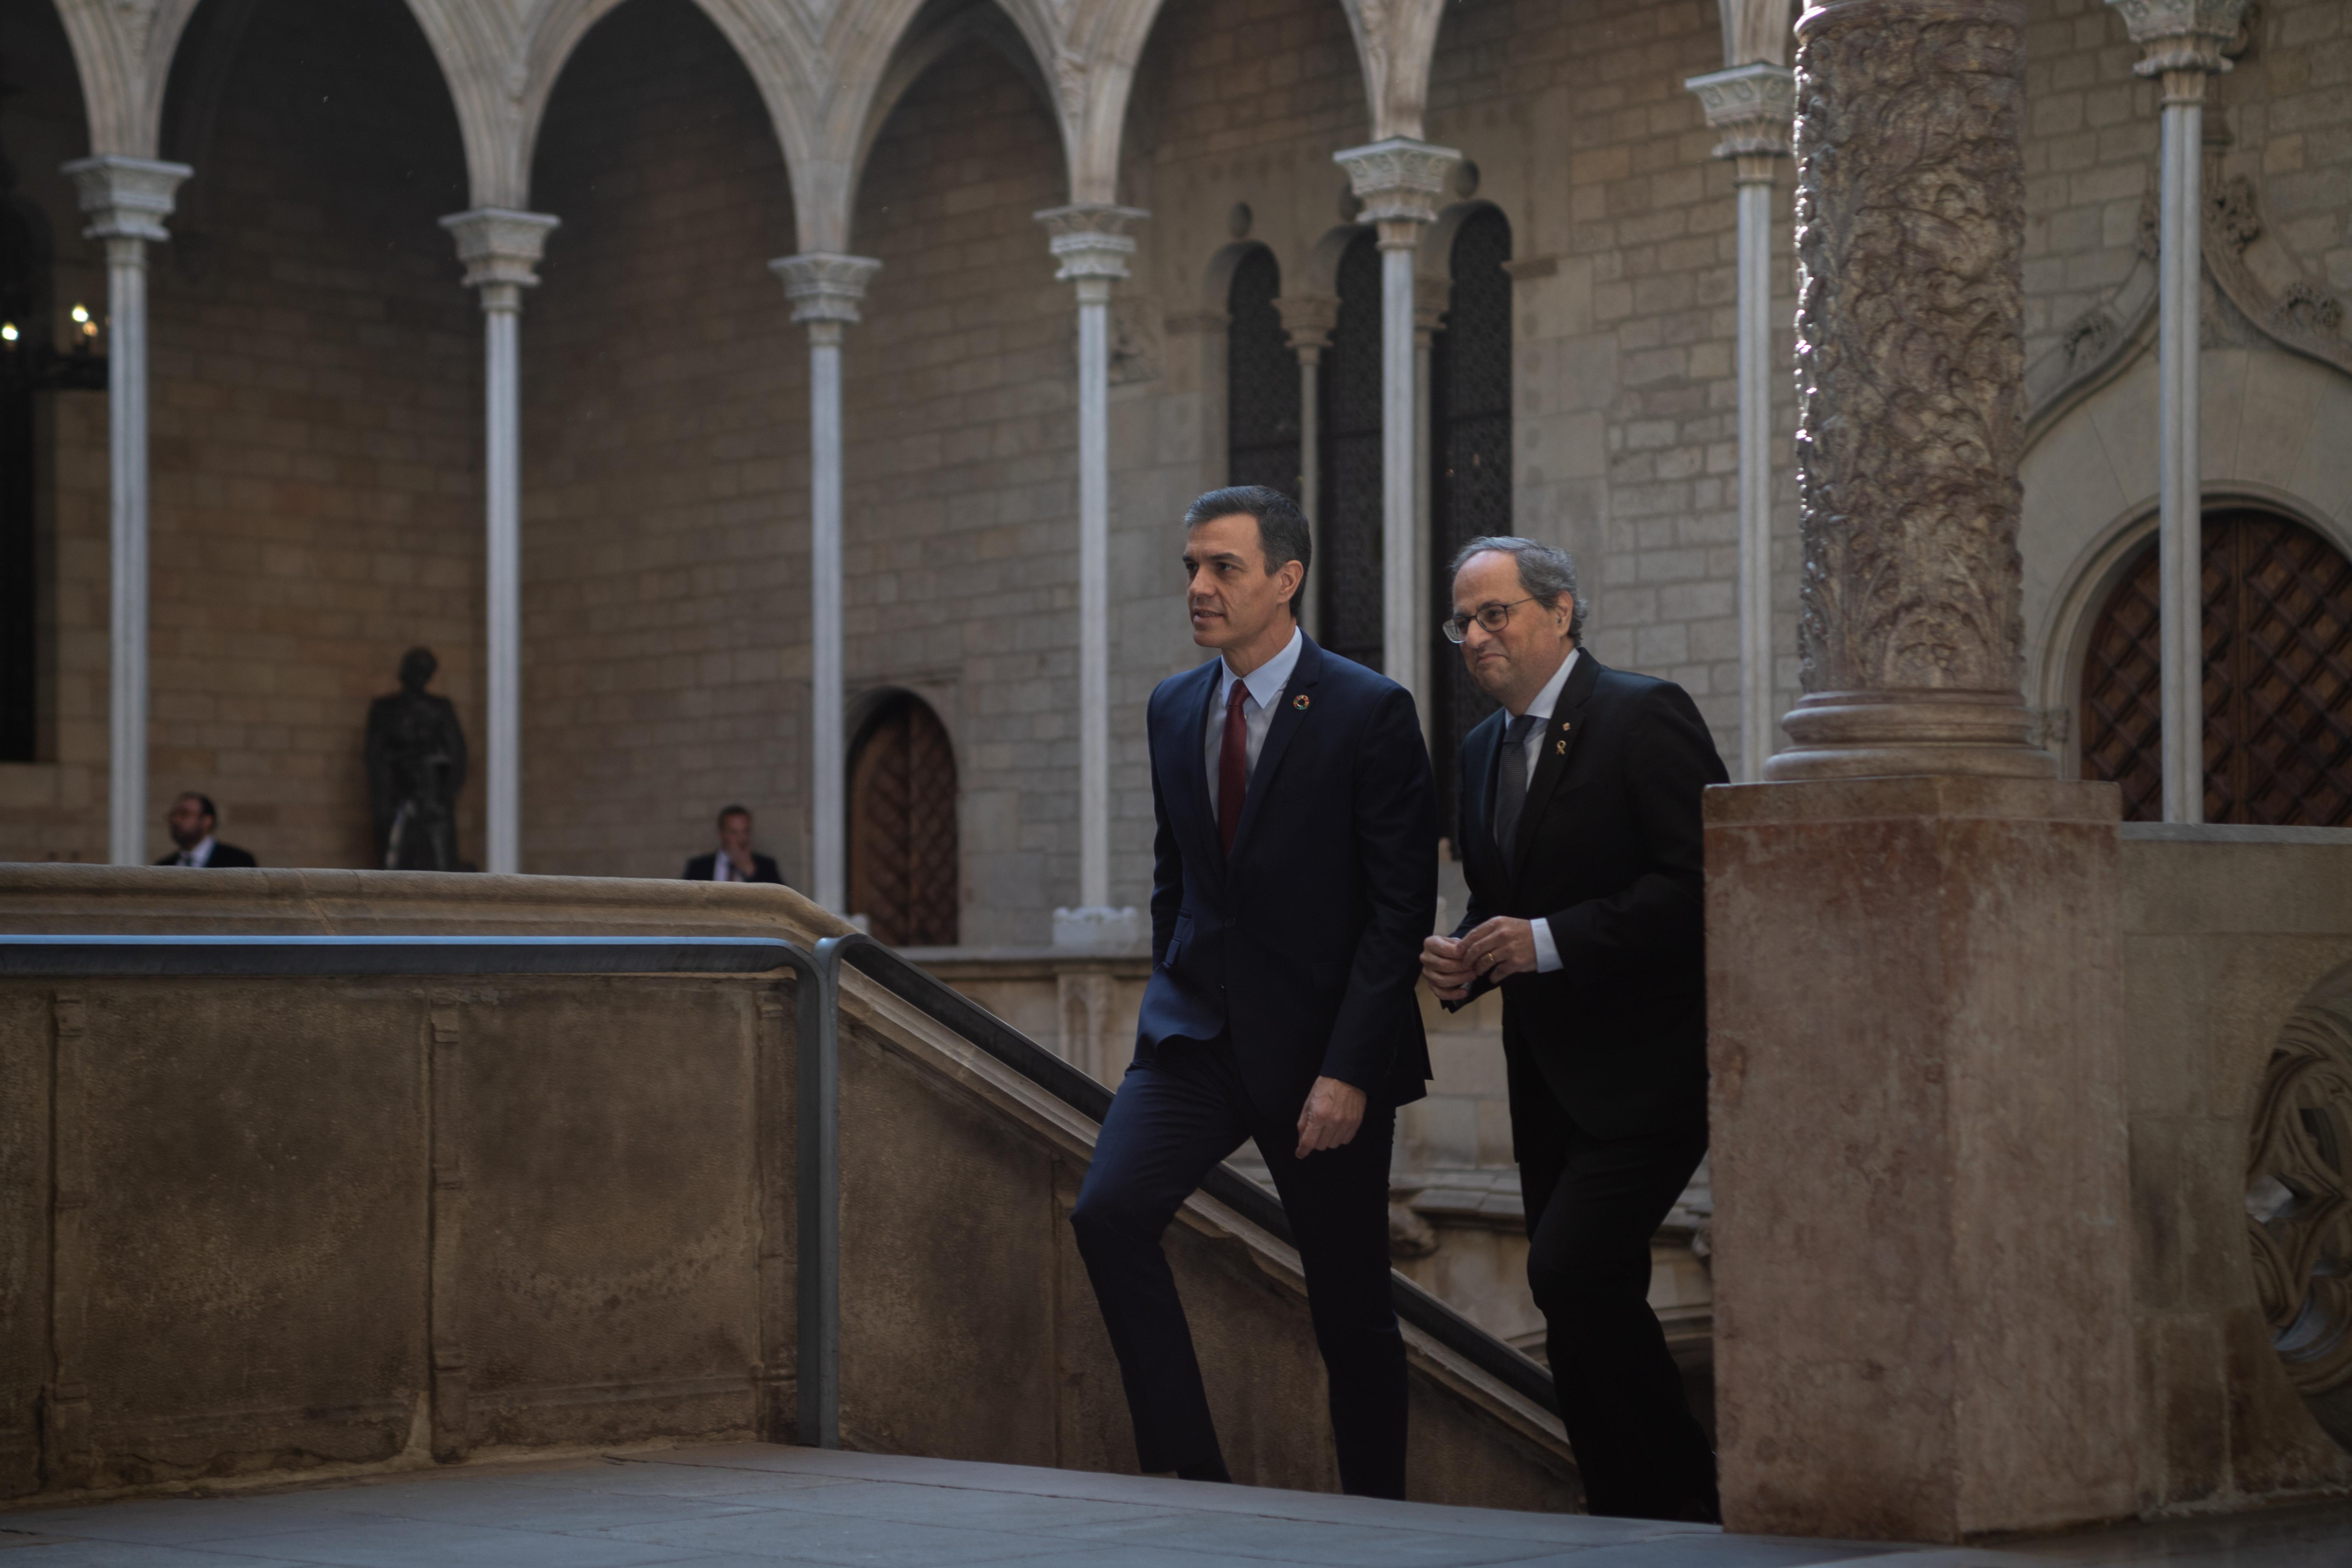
x: 1922, y: 1245
x: 1881, y: 734
x: 1098, y: 929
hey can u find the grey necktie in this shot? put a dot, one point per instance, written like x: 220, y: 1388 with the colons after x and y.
x: 1511, y: 782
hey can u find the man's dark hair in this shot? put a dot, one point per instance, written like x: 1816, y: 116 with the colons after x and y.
x: 727, y: 811
x: 204, y: 801
x: 1282, y: 531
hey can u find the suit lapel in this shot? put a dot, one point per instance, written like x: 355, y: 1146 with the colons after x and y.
x: 1561, y: 737
x: 1191, y: 749
x: 1477, y: 826
x: 1293, y: 708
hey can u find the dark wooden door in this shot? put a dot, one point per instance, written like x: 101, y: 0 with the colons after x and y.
x: 902, y: 826
x: 2278, y: 678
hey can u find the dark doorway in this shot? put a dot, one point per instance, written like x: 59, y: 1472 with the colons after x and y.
x: 1261, y: 380
x: 902, y: 826
x: 1470, y: 450
x: 1348, y: 534
x: 2278, y: 678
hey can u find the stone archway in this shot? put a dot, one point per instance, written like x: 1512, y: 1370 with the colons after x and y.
x: 903, y: 851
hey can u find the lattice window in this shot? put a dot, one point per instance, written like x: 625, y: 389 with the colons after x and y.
x: 1349, y: 533
x: 1470, y: 444
x: 2278, y: 678
x: 1261, y: 382
x: 902, y: 826
x: 24, y: 305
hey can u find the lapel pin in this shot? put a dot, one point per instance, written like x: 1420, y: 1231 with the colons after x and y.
x: 1562, y: 747
x: 1300, y: 702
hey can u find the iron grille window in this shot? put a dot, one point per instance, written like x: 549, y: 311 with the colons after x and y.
x: 24, y: 305
x: 2278, y: 678
x: 1349, y: 533
x: 1470, y: 447
x: 1261, y: 382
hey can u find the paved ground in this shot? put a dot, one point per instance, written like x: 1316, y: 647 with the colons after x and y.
x: 754, y: 1506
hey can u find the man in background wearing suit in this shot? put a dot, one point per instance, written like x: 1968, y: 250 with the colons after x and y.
x: 1295, y: 876
x: 733, y: 860
x: 1579, y: 838
x: 192, y: 820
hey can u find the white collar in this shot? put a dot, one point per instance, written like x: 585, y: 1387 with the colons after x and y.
x: 1549, y: 697
x: 1266, y: 681
x: 202, y: 855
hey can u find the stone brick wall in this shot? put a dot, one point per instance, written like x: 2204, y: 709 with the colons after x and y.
x: 666, y: 463
x: 962, y: 493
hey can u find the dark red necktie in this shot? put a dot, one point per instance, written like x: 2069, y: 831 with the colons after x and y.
x: 1232, y: 768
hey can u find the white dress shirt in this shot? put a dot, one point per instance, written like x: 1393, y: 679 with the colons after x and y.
x: 202, y: 855
x: 723, y: 869
x: 1547, y: 949
x: 1265, y: 685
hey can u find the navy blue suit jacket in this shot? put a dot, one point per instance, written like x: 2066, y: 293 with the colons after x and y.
x: 1305, y: 947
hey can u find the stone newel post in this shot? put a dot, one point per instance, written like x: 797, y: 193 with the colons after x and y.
x: 1090, y: 241
x: 499, y: 248
x: 2182, y: 42
x: 825, y: 288
x: 1751, y: 104
x: 1922, y: 1247
x: 1401, y: 182
x: 126, y: 200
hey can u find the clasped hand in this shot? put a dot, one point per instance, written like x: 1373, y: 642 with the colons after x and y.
x: 1499, y: 949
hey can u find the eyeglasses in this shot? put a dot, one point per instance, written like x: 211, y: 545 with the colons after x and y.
x: 1494, y: 617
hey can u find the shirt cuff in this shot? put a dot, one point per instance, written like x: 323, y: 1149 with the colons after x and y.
x: 1547, y: 949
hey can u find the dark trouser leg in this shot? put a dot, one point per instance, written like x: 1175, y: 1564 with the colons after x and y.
x: 1592, y: 1206
x: 1170, y: 1122
x: 1337, y: 1201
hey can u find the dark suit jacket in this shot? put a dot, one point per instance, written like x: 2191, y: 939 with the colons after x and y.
x: 1608, y: 852
x: 226, y: 857
x: 703, y: 866
x: 1305, y: 946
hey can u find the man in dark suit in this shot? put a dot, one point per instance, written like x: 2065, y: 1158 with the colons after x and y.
x: 733, y: 860
x: 1295, y: 876
x: 192, y: 820
x: 1579, y: 838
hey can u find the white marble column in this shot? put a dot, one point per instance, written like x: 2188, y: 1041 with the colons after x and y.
x: 126, y: 200
x: 1400, y: 182
x: 1090, y: 241
x: 1307, y: 321
x: 2181, y: 41
x: 499, y: 248
x: 1752, y: 106
x: 825, y: 288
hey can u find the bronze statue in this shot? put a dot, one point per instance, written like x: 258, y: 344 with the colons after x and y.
x: 415, y: 766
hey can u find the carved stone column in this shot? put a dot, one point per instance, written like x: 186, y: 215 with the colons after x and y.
x: 2181, y: 40
x: 501, y: 248
x: 825, y: 288
x: 1910, y: 359
x: 1308, y: 320
x: 1751, y: 105
x: 1914, y: 949
x: 1091, y: 243
x: 126, y: 200
x: 1401, y: 182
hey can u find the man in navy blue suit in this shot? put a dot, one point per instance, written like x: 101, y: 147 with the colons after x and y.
x: 1294, y: 878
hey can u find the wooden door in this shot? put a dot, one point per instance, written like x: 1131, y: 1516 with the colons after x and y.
x: 2278, y: 678
x: 902, y: 826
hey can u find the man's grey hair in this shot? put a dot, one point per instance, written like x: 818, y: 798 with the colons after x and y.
x: 1545, y: 573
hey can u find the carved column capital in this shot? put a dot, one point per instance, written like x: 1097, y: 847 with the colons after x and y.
x: 1401, y: 184
x: 1308, y: 320
x: 824, y: 286
x: 499, y: 247
x: 1090, y: 238
x: 1753, y: 106
x: 125, y: 198
x: 2181, y: 40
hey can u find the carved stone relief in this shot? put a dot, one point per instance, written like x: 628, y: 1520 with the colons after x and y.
x: 2299, y: 1210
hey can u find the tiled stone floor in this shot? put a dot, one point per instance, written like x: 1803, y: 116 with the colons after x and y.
x: 753, y: 1506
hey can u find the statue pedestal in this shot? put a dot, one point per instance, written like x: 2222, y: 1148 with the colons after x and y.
x: 1921, y: 1252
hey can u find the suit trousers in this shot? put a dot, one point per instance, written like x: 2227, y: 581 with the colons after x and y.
x: 1175, y: 1115
x: 1592, y: 1205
